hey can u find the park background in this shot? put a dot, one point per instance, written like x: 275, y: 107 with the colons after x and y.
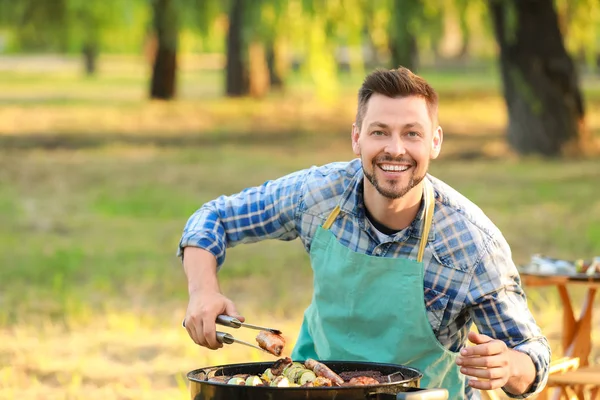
x: 119, y: 118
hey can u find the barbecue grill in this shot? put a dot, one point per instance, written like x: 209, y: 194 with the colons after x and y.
x: 403, y: 383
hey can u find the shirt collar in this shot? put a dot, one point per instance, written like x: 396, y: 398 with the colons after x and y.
x: 352, y: 202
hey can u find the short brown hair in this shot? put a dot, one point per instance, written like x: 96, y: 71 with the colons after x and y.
x: 399, y: 82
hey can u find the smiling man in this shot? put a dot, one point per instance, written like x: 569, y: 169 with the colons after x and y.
x: 403, y: 264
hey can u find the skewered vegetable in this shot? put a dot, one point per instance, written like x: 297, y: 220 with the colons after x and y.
x: 267, y: 376
x: 254, y: 380
x: 280, y: 381
x: 307, y: 377
x: 236, y: 381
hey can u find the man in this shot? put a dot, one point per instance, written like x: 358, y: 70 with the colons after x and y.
x: 403, y: 264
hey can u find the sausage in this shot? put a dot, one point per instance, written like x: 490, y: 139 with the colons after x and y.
x: 323, y: 370
x: 271, y: 342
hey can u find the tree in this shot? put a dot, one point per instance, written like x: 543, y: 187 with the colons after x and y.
x: 402, y: 41
x: 545, y: 105
x: 253, y: 63
x: 236, y: 71
x: 166, y: 28
x: 86, y: 20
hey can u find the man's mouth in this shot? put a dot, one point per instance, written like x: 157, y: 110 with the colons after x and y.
x: 393, y: 168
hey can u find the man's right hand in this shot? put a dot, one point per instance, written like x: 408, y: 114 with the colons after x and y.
x: 203, y: 309
x: 206, y: 300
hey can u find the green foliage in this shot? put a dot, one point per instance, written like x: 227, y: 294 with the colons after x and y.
x: 580, y: 24
x: 68, y: 25
x: 200, y: 15
x: 37, y: 24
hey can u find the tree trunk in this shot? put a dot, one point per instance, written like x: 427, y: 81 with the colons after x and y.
x: 164, y: 71
x: 90, y: 56
x: 236, y: 82
x: 402, y: 42
x: 545, y: 106
x: 275, y: 78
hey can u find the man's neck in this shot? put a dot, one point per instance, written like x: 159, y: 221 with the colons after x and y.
x: 395, y: 214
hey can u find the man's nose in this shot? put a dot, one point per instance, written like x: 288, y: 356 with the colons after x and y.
x: 395, y: 146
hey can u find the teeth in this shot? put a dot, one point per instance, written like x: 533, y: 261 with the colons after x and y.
x: 394, y: 168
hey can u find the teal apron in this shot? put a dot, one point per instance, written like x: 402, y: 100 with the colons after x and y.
x: 367, y: 308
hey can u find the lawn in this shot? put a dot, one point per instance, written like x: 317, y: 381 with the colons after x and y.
x: 96, y: 184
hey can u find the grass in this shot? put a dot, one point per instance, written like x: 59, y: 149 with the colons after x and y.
x: 96, y: 184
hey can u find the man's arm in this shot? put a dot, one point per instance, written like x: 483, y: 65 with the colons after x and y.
x: 206, y: 301
x: 264, y: 212
x: 267, y: 211
x: 499, y: 308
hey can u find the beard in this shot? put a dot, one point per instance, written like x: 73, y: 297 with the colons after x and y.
x: 394, y: 190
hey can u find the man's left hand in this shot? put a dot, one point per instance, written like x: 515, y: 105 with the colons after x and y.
x: 489, y: 360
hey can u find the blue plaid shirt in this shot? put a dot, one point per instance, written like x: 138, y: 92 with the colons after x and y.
x: 469, y: 274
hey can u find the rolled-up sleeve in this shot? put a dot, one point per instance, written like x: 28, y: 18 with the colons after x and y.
x: 268, y: 211
x: 499, y: 309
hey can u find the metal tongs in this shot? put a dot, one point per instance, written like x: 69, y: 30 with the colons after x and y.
x: 232, y: 322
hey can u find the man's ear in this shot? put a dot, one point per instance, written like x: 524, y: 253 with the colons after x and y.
x: 355, y: 135
x: 436, y: 142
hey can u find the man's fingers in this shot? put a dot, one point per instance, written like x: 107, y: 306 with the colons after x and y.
x: 484, y: 373
x: 190, y: 326
x: 209, y: 331
x: 486, y: 349
x: 232, y: 312
x: 478, y: 338
x: 486, y: 384
x: 482, y: 362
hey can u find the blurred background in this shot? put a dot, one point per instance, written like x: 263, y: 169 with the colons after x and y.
x: 119, y: 118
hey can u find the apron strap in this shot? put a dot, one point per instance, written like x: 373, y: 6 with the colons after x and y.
x: 332, y: 216
x: 427, y: 219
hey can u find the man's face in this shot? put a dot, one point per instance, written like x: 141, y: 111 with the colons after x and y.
x: 395, y: 143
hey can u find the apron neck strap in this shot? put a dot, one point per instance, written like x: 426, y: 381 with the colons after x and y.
x: 332, y: 216
x: 428, y: 218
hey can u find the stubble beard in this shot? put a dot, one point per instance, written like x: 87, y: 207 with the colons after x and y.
x: 394, y: 192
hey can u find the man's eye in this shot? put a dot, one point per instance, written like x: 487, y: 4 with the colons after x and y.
x: 378, y: 133
x: 413, y: 134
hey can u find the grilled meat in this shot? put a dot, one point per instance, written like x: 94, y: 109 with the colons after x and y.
x: 323, y: 370
x: 271, y: 342
x: 362, y: 380
x: 279, y: 365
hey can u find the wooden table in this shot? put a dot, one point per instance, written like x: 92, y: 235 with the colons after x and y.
x: 577, y: 330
